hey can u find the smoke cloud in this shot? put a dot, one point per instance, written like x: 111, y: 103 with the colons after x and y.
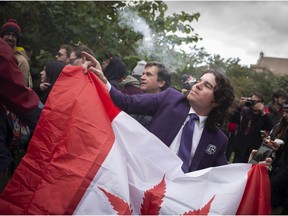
x: 148, y: 46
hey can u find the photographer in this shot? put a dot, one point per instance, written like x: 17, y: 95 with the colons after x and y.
x: 250, y: 119
x: 279, y: 171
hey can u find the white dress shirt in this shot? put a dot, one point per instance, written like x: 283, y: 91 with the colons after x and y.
x: 198, y: 129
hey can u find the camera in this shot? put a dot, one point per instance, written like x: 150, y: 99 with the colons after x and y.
x: 249, y: 102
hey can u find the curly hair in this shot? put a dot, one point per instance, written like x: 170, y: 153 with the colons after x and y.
x: 223, y: 95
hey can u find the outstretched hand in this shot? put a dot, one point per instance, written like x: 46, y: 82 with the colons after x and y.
x: 93, y: 66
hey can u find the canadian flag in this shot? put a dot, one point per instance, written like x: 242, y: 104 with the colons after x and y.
x: 89, y: 157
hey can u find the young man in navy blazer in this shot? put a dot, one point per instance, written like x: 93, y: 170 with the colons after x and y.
x: 209, y: 98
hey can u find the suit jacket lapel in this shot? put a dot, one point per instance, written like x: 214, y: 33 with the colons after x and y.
x: 178, y: 122
x: 201, y: 149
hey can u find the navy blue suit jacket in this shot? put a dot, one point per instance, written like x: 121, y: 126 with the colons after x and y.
x: 169, y: 110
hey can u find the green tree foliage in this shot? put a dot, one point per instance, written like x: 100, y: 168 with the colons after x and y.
x: 99, y: 24
x: 246, y: 81
x: 133, y: 30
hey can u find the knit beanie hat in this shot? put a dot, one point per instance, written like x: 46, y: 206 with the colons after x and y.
x: 139, y: 69
x: 11, y: 26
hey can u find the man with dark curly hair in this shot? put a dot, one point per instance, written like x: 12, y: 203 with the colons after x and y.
x: 207, y: 103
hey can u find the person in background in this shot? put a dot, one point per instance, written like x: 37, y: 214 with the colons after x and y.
x: 11, y: 33
x: 76, y: 58
x: 187, y: 82
x: 114, y: 71
x: 18, y: 98
x: 64, y: 53
x: 279, y: 171
x: 106, y: 62
x: 139, y: 69
x: 155, y: 78
x: 274, y: 109
x: 230, y: 129
x: 131, y: 84
x: 49, y: 75
x: 251, y: 119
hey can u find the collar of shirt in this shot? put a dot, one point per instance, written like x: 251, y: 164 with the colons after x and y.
x: 202, y: 119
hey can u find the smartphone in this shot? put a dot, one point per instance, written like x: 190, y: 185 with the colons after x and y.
x: 263, y: 152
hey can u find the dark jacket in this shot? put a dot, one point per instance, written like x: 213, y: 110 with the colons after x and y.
x: 279, y: 173
x: 248, y: 135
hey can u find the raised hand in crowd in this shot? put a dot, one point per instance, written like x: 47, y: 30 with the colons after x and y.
x: 94, y: 66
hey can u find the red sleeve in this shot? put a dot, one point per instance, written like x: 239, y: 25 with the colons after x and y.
x: 13, y: 93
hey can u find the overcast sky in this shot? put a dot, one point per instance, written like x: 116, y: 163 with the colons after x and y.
x: 239, y: 28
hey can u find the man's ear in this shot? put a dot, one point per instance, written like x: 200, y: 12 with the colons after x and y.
x: 161, y: 83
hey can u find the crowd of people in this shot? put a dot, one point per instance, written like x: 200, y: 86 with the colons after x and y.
x: 204, y: 124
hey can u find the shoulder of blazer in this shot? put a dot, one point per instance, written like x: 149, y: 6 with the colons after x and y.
x: 174, y: 92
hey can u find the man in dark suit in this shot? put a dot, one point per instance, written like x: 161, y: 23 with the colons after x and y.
x: 209, y: 98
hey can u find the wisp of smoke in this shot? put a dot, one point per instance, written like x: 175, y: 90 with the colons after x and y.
x: 128, y: 18
x: 148, y: 46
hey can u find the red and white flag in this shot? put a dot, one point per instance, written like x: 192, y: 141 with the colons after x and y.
x: 89, y: 157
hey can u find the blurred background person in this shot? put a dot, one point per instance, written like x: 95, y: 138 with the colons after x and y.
x: 250, y: 119
x: 187, y: 82
x: 114, y: 71
x: 155, y: 78
x: 274, y: 108
x: 76, y: 58
x: 49, y: 75
x: 64, y: 53
x: 138, y: 70
x: 279, y: 171
x: 131, y: 84
x: 18, y: 98
x: 11, y: 33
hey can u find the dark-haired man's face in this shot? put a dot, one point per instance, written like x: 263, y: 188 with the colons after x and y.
x: 280, y: 100
x: 62, y: 56
x: 201, y: 95
x: 149, y: 82
x: 74, y: 60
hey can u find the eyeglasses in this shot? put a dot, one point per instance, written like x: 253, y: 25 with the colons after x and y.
x: 72, y: 60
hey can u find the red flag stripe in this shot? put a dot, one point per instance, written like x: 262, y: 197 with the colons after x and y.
x: 58, y: 139
x: 256, y: 197
x: 112, y: 112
